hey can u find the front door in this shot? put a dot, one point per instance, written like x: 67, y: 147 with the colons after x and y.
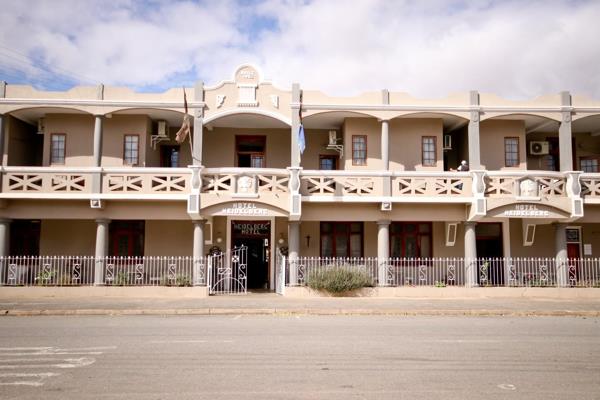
x: 256, y: 236
x: 126, y: 238
x: 573, y: 253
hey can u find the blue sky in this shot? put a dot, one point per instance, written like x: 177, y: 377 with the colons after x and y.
x: 431, y: 48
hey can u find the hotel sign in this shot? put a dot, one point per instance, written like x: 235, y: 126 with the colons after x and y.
x: 526, y: 211
x: 244, y: 209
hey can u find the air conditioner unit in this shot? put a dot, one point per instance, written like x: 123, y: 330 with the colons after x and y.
x: 41, y: 127
x: 539, y: 148
x: 447, y: 142
x: 332, y: 138
x: 163, y: 129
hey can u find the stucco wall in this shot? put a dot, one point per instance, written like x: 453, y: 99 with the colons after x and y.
x: 79, y: 131
x: 406, y: 143
x: 543, y: 245
x: 67, y: 237
x: 316, y: 143
x: 219, y: 150
x: 114, y: 131
x: 169, y: 238
x: 492, y: 134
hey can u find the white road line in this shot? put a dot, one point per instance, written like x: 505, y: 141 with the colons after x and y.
x: 48, y: 348
x: 38, y: 378
x: 70, y: 363
x: 237, y: 317
x: 177, y: 341
x: 52, y: 353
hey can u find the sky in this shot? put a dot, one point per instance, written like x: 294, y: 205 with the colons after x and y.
x: 428, y: 48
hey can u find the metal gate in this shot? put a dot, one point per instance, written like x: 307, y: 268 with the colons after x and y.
x: 227, y: 272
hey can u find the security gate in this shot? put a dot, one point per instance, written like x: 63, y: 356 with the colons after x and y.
x: 227, y: 272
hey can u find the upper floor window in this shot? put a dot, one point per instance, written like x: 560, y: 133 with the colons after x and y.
x: 57, y: 148
x: 428, y: 150
x: 328, y: 162
x: 359, y: 150
x: 250, y: 151
x: 131, y: 150
x: 511, y: 151
x: 588, y: 164
x: 341, y: 239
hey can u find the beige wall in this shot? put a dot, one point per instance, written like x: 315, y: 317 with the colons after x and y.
x: 439, y: 241
x: 406, y: 143
x: 68, y: 237
x: 590, y: 234
x: 370, y: 128
x: 79, y: 142
x: 586, y: 145
x: 543, y: 245
x: 492, y: 134
x: 169, y: 238
x: 218, y: 149
x: 114, y: 131
x: 316, y: 145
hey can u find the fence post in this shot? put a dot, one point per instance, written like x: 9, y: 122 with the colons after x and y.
x: 198, y: 251
x: 560, y: 245
x: 470, y: 255
x: 101, y: 250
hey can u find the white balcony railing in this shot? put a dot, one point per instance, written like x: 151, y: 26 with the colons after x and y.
x: 244, y: 180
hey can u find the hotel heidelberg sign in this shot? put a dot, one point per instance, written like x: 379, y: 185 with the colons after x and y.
x: 244, y: 209
x: 526, y: 210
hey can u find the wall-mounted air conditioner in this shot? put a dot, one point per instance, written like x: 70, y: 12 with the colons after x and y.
x: 539, y: 148
x: 332, y: 138
x: 163, y: 129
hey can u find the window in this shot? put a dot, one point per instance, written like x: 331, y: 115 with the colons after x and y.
x: 57, y: 148
x: 511, y: 152
x: 327, y: 162
x: 131, y: 149
x: 251, y: 151
x: 588, y: 164
x: 341, y: 239
x: 410, y: 240
x: 429, y: 158
x: 359, y: 150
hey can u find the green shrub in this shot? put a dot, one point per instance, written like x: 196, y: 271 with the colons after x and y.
x: 179, y: 280
x: 339, y: 280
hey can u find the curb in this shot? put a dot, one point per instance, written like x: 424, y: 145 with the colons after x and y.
x: 301, y: 311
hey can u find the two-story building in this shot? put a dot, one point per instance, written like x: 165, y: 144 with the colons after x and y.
x: 96, y: 171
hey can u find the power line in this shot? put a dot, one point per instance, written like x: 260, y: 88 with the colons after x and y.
x: 44, y: 66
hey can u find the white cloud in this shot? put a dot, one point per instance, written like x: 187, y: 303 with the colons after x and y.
x: 427, y: 48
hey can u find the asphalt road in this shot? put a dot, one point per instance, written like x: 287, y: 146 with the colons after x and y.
x: 318, y: 357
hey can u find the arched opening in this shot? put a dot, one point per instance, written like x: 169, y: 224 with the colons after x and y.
x: 586, y: 135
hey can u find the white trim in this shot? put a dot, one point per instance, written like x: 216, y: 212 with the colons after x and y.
x: 381, y: 199
x: 100, y: 103
x: 234, y: 111
x: 89, y: 196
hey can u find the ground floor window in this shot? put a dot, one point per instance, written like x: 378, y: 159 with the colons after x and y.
x: 341, y: 239
x: 410, y: 240
x: 126, y: 238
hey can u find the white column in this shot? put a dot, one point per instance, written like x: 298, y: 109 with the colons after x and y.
x: 198, y: 253
x: 565, y: 143
x: 385, y: 144
x: 560, y: 247
x: 293, y: 250
x: 383, y: 251
x: 470, y: 255
x: 97, y: 176
x: 473, y: 134
x: 101, y: 250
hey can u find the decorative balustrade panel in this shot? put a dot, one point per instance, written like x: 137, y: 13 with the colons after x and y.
x: 525, y: 186
x: 431, y: 186
x: 341, y: 185
x: 46, y: 182
x: 146, y: 183
x: 244, y: 181
x: 590, y: 185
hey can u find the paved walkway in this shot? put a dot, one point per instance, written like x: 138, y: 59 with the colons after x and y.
x: 268, y: 303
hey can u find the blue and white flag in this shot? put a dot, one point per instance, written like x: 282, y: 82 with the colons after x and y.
x: 301, y: 139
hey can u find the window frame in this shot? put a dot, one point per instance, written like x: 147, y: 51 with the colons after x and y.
x: 64, y: 150
x: 402, y: 236
x: 434, y: 162
x: 329, y: 157
x: 365, y: 151
x: 137, y: 159
x: 252, y: 154
x: 590, y: 158
x: 518, y: 153
x: 349, y: 233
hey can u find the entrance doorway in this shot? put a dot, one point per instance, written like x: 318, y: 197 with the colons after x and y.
x: 169, y: 156
x: 490, y: 252
x: 250, y: 151
x: 126, y: 238
x: 256, y: 236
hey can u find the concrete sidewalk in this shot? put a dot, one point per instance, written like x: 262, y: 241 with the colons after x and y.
x: 272, y: 304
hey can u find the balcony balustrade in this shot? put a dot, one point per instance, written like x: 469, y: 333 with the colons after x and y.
x: 315, y: 185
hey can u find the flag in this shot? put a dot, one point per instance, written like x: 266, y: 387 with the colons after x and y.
x: 184, y: 131
x: 301, y: 139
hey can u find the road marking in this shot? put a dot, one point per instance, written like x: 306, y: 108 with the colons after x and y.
x: 38, y: 379
x: 42, y: 351
x: 186, y: 341
x: 507, y: 386
x: 69, y: 363
x: 237, y: 317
